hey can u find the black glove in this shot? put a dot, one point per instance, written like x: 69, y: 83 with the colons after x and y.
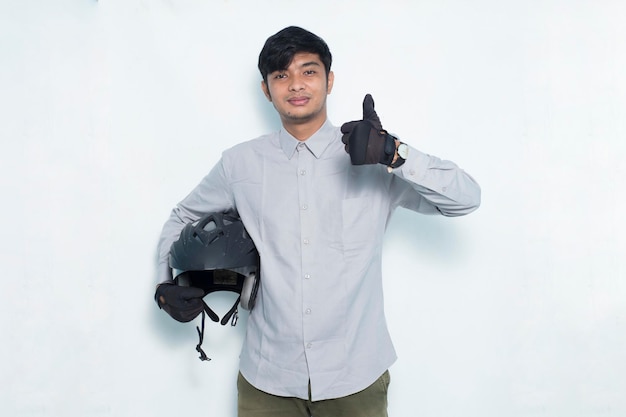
x: 182, y: 303
x: 366, y: 141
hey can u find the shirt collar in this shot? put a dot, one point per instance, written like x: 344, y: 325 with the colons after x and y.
x: 317, y: 143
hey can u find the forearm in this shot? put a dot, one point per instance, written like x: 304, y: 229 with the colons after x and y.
x: 442, y: 183
x: 210, y: 195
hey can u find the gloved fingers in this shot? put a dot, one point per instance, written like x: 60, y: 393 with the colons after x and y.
x: 369, y: 113
x: 360, y: 145
x: 183, y: 315
x: 181, y: 303
x: 191, y: 292
x: 348, y: 126
x: 173, y: 294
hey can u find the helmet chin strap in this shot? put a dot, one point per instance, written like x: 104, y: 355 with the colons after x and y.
x: 233, y: 312
x: 203, y: 356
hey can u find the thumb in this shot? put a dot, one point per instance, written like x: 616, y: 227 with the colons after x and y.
x: 369, y: 113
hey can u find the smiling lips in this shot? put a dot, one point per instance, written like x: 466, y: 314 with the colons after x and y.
x: 298, y: 101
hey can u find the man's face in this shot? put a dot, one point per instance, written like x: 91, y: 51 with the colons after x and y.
x: 299, y: 92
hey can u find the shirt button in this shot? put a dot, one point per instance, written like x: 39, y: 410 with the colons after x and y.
x: 309, y: 345
x: 303, y: 172
x: 305, y: 206
x: 307, y: 311
x: 307, y: 276
x: 305, y: 241
x: 412, y: 172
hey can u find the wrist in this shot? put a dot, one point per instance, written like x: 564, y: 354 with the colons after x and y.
x: 401, y: 153
x: 388, y: 148
x: 395, y: 156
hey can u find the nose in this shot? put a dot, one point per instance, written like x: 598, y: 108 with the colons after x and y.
x: 296, y: 83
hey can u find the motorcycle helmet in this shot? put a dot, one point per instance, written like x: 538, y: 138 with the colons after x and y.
x: 216, y: 253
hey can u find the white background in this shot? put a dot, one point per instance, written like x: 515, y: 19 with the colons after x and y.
x: 111, y: 111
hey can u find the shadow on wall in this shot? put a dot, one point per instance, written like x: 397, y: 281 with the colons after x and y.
x: 267, y: 114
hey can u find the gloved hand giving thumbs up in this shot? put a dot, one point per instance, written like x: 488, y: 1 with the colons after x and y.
x: 366, y: 141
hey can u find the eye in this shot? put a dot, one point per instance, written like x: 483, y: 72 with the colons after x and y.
x: 280, y: 76
x: 310, y: 72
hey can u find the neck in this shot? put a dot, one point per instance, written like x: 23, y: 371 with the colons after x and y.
x: 303, y: 131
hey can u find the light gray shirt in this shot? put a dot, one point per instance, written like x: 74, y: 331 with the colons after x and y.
x: 318, y: 224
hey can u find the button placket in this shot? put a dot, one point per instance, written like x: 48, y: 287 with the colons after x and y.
x: 305, y: 159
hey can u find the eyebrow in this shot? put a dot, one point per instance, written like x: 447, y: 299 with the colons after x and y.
x: 310, y: 64
x: 304, y: 65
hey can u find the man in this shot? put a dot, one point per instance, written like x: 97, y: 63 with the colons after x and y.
x: 316, y: 201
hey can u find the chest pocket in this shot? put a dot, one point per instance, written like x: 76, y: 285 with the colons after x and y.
x: 360, y: 224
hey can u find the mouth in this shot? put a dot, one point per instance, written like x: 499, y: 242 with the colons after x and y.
x: 298, y: 101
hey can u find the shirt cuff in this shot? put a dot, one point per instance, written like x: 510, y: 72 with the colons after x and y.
x: 164, y: 273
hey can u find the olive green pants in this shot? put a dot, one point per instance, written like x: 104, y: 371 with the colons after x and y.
x: 371, y: 402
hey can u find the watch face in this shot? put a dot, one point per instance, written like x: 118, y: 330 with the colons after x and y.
x: 403, y: 151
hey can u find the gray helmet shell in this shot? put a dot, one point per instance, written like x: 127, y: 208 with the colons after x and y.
x: 216, y: 253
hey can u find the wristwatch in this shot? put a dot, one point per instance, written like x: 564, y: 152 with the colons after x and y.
x: 403, y: 152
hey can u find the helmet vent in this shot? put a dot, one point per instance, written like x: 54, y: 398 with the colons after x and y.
x: 216, y: 241
x: 210, y: 226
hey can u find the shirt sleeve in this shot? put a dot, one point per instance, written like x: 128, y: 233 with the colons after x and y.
x: 434, y: 186
x: 211, y: 195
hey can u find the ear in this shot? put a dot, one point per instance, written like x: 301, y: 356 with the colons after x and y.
x: 331, y: 80
x: 266, y: 91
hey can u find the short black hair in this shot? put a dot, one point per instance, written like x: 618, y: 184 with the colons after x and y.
x: 280, y: 48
